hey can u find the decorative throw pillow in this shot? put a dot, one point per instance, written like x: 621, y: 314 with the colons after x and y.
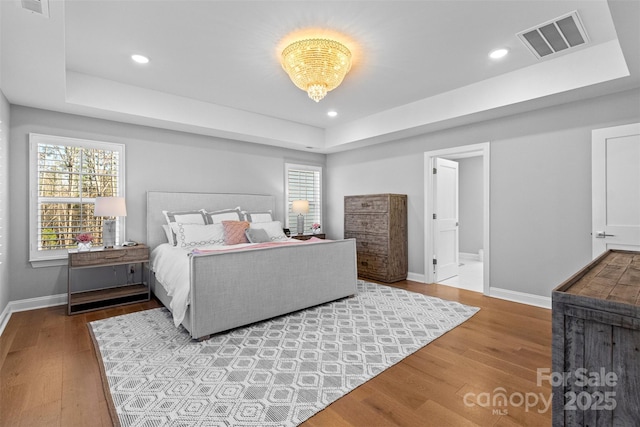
x: 216, y: 217
x: 273, y: 229
x: 257, y: 235
x: 234, y: 232
x: 184, y: 217
x: 192, y: 235
x: 264, y: 216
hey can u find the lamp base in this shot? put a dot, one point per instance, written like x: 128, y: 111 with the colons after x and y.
x: 109, y: 233
x: 300, y: 224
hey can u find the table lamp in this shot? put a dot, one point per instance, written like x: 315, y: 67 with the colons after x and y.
x: 109, y: 207
x: 300, y: 207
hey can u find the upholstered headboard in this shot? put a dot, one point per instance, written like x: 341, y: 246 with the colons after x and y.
x: 158, y: 201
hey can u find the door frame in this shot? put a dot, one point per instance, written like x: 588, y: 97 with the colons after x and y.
x: 473, y: 150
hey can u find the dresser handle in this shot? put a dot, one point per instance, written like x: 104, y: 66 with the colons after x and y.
x: 364, y: 264
x: 114, y: 256
x: 365, y: 205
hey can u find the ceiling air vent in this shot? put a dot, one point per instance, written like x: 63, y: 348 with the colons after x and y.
x: 558, y: 35
x: 40, y: 7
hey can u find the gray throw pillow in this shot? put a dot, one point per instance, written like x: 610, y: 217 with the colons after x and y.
x: 257, y: 235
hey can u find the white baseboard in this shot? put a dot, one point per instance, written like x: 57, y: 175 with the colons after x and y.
x: 521, y: 297
x: 29, y: 304
x: 467, y: 255
x: 415, y: 277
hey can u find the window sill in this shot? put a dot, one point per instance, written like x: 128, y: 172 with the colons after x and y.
x: 48, y: 262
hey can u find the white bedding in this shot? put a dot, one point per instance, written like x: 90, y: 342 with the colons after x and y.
x: 171, y: 267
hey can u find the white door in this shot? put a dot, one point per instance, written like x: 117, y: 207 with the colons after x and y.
x: 446, y: 219
x: 616, y: 188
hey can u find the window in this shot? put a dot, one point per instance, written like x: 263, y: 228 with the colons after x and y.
x: 303, y: 182
x: 66, y: 177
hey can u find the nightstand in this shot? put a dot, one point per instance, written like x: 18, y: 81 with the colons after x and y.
x: 119, y: 294
x: 308, y: 236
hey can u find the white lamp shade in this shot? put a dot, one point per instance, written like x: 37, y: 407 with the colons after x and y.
x: 300, y: 206
x: 110, y: 206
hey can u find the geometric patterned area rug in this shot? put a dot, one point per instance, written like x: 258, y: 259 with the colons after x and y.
x: 279, y: 372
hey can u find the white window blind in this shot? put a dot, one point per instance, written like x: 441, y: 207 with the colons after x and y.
x: 304, y: 183
x: 66, y: 177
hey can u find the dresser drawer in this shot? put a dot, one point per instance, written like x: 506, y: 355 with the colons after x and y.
x: 109, y: 256
x: 369, y: 223
x: 366, y: 204
x: 373, y: 266
x: 369, y: 243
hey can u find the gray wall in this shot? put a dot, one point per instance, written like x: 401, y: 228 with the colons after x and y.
x: 470, y: 213
x: 4, y: 201
x: 540, y: 183
x: 540, y: 199
x: 156, y: 159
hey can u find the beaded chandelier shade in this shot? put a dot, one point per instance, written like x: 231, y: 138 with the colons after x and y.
x: 316, y: 66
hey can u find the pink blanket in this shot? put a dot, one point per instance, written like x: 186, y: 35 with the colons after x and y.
x: 223, y: 249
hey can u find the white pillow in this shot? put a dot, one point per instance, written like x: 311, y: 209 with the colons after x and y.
x: 264, y: 216
x: 184, y: 217
x: 216, y: 217
x: 273, y: 229
x: 192, y: 235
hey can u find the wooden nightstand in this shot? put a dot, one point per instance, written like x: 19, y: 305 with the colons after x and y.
x: 119, y: 294
x: 308, y: 236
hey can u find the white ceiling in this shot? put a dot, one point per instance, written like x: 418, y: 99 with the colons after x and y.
x: 214, y: 70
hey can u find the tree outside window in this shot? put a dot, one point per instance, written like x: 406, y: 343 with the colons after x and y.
x: 67, y: 176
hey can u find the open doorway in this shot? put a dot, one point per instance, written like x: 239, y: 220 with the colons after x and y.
x: 471, y: 243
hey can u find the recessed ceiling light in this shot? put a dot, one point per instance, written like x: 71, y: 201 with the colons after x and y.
x: 140, y: 59
x: 498, y: 53
x: 332, y: 113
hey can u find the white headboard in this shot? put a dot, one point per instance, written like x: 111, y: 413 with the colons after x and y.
x: 158, y: 201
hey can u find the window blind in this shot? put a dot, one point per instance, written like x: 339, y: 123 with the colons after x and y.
x: 304, y: 183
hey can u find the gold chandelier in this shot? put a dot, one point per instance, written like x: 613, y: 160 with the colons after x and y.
x: 316, y: 66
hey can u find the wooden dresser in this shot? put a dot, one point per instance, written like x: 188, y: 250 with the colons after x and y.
x: 378, y: 222
x: 596, y: 344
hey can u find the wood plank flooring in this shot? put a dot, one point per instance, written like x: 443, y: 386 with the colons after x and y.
x: 49, y: 375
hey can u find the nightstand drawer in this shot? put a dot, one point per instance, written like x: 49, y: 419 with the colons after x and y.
x: 369, y: 243
x: 109, y: 256
x: 308, y: 236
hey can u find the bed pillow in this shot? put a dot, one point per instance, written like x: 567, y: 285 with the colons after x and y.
x: 168, y: 232
x: 216, y: 217
x: 264, y: 216
x: 234, y: 232
x: 273, y: 229
x: 257, y: 235
x: 193, y: 235
x: 184, y: 217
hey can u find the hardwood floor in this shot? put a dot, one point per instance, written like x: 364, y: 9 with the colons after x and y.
x: 49, y: 375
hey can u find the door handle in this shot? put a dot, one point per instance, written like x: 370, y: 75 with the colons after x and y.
x: 603, y: 234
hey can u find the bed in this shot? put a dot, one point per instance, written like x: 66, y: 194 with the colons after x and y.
x: 250, y: 283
